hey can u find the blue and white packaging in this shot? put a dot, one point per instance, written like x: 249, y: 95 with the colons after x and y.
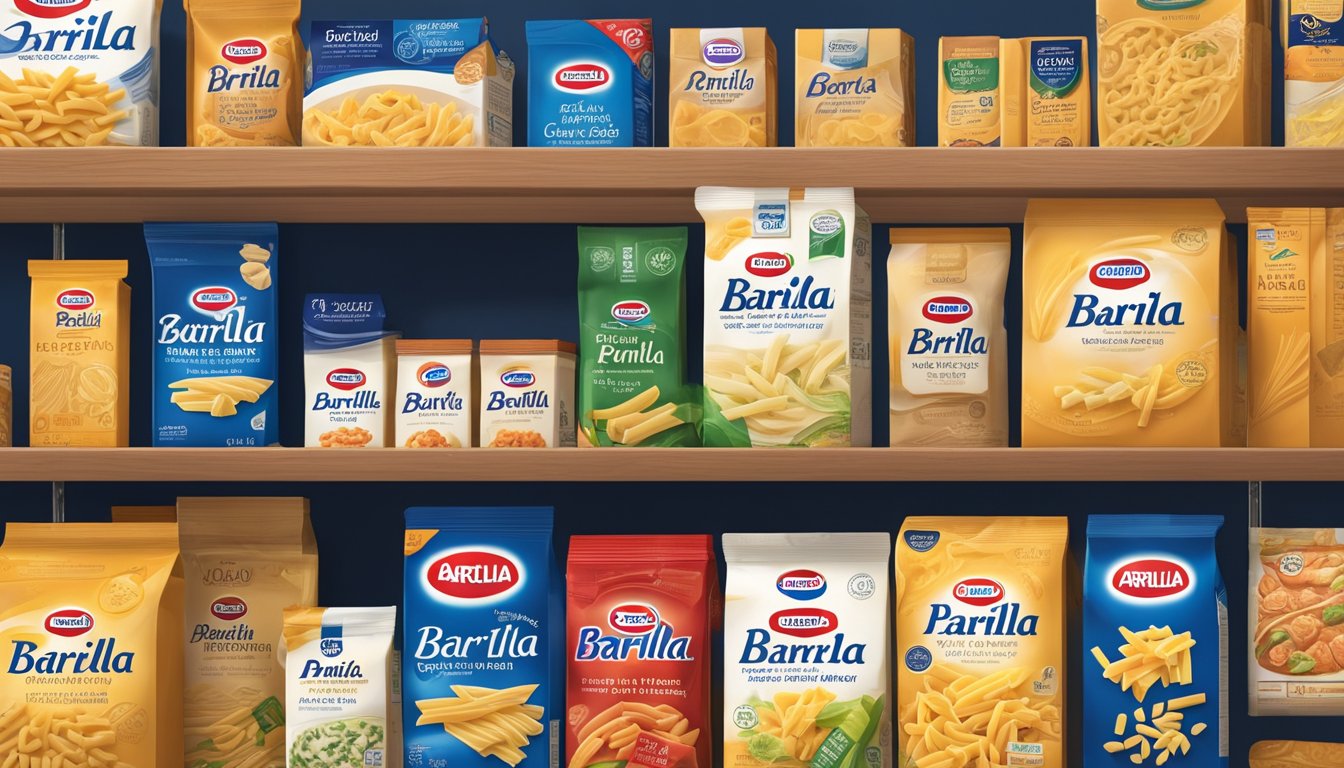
x: 590, y: 83
x: 484, y: 605
x: 1155, y: 642
x: 216, y: 341
x: 349, y: 371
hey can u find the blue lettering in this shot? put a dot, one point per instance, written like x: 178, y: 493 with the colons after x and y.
x: 833, y: 651
x: 94, y: 33
x: 1003, y: 619
x: 1152, y: 312
x: 798, y: 295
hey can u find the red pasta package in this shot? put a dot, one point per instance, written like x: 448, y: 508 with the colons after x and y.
x: 640, y: 614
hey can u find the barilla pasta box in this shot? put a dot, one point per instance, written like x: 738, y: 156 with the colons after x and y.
x: 1155, y: 634
x: 527, y: 394
x: 855, y: 88
x: 722, y: 89
x: 482, y: 665
x: 590, y: 83
x: 407, y: 83
x: 806, y: 638
x: 349, y: 366
x: 639, y: 608
x: 216, y: 345
x: 435, y: 393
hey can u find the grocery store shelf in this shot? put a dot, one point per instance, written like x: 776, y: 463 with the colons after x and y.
x: 666, y: 464
x: 929, y: 185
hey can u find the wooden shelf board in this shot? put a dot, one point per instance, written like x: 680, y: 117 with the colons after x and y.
x: 927, y: 185
x: 678, y: 465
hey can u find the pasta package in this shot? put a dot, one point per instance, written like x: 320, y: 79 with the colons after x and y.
x: 1313, y: 70
x: 855, y: 88
x: 1183, y: 73
x: 1155, y: 635
x: 1129, y: 316
x: 72, y: 75
x: 527, y: 394
x: 350, y: 366
x: 590, y: 83
x: 341, y: 702
x: 723, y: 90
x: 949, y: 347
x: 435, y: 393
x: 969, y: 98
x: 90, y: 624
x: 483, y: 670
x: 246, y: 560
x: 639, y: 608
x: 216, y: 343
x: 1296, y: 622
x: 632, y: 363
x: 1295, y: 754
x: 1047, y: 92
x: 407, y: 83
x: 79, y: 358
x: 980, y: 639
x: 807, y: 643
x: 244, y: 73
x: 788, y: 318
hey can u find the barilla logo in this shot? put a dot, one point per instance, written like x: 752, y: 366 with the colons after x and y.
x: 723, y: 52
x: 473, y: 575
x: 631, y: 312
x: 518, y: 378
x: 948, y: 309
x: 346, y: 379
x: 433, y: 375
x: 978, y: 591
x: 801, y: 584
x: 804, y: 622
x: 769, y: 264
x: 215, y: 299
x: 244, y: 52
x: 69, y: 622
x: 50, y: 9
x: 1151, y: 579
x: 75, y: 299
x: 582, y: 77
x: 228, y: 608
x: 1119, y: 274
x: 633, y: 619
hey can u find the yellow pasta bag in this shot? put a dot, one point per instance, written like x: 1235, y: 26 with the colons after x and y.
x: 79, y: 355
x: 1313, y: 69
x: 855, y: 88
x: 722, y: 89
x: 1047, y: 94
x: 90, y: 627
x: 244, y: 73
x: 968, y: 92
x: 980, y: 641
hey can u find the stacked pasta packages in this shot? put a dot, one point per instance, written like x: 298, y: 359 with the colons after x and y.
x: 1313, y: 69
x: 855, y: 88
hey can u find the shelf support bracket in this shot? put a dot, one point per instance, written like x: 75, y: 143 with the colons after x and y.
x: 58, y: 488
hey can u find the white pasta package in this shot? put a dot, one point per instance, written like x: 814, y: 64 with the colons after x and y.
x: 79, y: 73
x: 349, y: 369
x: 342, y: 698
x: 788, y: 318
x: 807, y: 678
x: 435, y: 404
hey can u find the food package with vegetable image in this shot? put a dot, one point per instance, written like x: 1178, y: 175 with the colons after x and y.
x: 788, y: 318
x: 632, y: 359
x: 807, y: 679
x: 342, y: 701
x: 1296, y: 621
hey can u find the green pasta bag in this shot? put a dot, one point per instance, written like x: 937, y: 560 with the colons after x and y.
x: 632, y: 350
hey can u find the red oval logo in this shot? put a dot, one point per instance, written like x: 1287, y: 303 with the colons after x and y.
x: 69, y: 622
x: 214, y: 299
x: 244, y: 51
x: 1119, y: 274
x: 473, y: 575
x: 978, y: 591
x: 804, y: 622
x: 51, y: 9
x: 1148, y: 579
x: 633, y: 619
x: 75, y: 299
x: 582, y: 77
x: 228, y: 608
x: 948, y: 309
x: 345, y: 379
x: 769, y: 264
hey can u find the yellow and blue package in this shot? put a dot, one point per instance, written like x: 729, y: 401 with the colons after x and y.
x: 590, y: 83
x: 483, y: 654
x: 1155, y: 634
x: 407, y: 83
x: 216, y: 355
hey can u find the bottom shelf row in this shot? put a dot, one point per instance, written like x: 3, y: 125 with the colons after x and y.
x: 124, y: 637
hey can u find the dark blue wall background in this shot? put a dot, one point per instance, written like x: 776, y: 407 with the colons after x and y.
x: 508, y: 281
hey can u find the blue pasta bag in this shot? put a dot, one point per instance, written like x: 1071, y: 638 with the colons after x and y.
x: 1155, y: 636
x: 482, y: 658
x: 590, y: 83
